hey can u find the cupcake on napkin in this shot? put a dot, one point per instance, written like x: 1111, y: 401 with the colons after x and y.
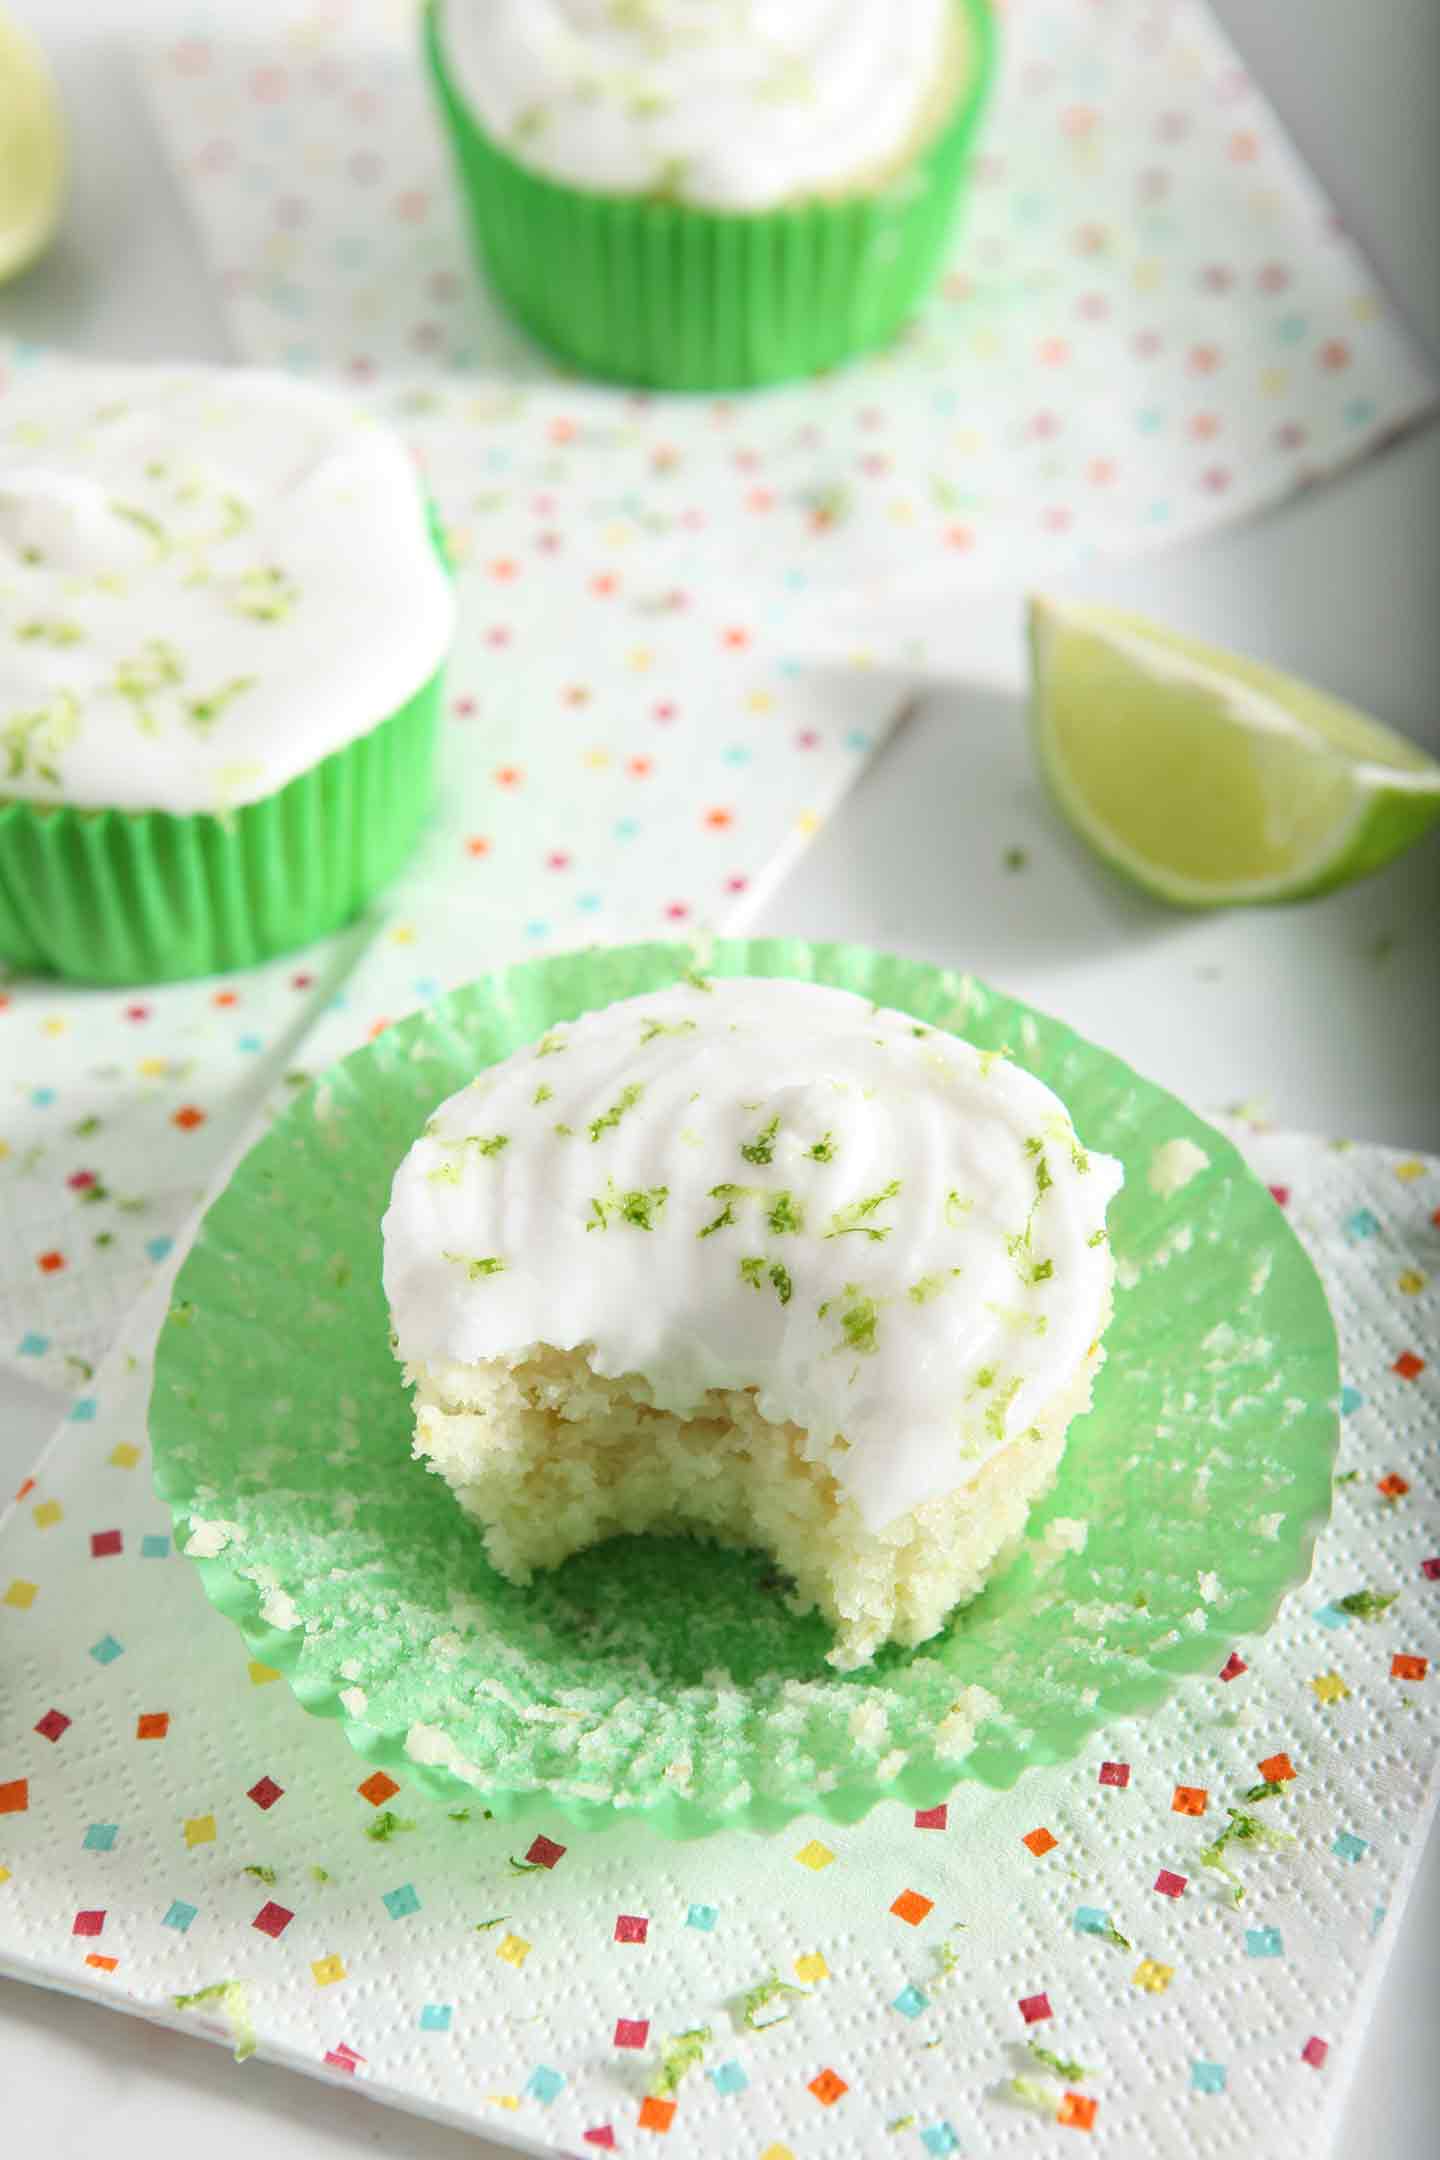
x: 223, y: 620
x: 697, y: 194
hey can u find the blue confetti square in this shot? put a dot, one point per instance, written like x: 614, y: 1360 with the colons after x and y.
x: 1330, y: 1616
x: 544, y: 2084
x: 106, y: 1650
x: 251, y: 1043
x: 435, y: 2017
x: 1263, y: 1943
x: 1207, y: 2077
x: 1362, y: 1224
x: 910, y: 2002
x: 100, y: 1837
x: 180, y: 1915
x: 83, y: 1411
x: 940, y: 2139
x: 1349, y: 1847
x: 1351, y: 1400
x: 402, y: 1902
x: 702, y: 1917
x: 42, y: 1097
x: 1089, y: 1920
x: 154, y: 1546
x: 1377, y: 1919
x: 537, y: 929
x: 33, y: 1345
x: 728, y: 2077
x: 159, y: 1248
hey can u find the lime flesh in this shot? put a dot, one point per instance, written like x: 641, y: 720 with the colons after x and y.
x: 1208, y: 778
x: 32, y: 152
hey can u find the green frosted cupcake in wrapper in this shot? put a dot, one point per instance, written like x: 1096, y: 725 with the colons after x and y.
x: 695, y: 205
x: 659, y: 1676
x: 224, y: 614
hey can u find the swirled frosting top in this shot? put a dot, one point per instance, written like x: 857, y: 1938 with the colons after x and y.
x: 897, y: 1240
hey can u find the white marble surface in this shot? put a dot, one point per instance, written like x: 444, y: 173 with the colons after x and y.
x: 1330, y: 1014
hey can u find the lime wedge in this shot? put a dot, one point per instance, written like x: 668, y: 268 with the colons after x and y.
x: 1208, y: 778
x: 32, y: 149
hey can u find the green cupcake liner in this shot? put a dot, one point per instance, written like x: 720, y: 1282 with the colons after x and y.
x: 118, y: 896
x: 279, y: 1420
x: 641, y: 290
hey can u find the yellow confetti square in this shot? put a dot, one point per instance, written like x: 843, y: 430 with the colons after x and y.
x: 152, y: 1068
x: 1412, y: 1282
x: 1151, y: 1975
x: 200, y: 1830
x: 815, y: 1855
x: 513, y: 1949
x: 124, y: 1455
x: 49, y: 1511
x: 403, y: 934
x: 1330, y: 1687
x: 811, y: 1967
x: 21, y: 1594
x: 807, y: 822
x: 261, y: 1675
x: 640, y: 659
x: 4, y: 1874
x: 52, y: 1027
x: 777, y: 2152
x: 327, y: 1970
x: 505, y: 2100
x: 1409, y: 1170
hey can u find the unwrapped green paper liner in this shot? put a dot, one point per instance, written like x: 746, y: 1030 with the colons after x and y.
x: 641, y: 289
x: 669, y: 1677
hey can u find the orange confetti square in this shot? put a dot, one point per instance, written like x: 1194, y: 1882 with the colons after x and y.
x: 327, y: 1970
x: 102, y: 1964
x: 21, y: 1594
x: 124, y: 1455
x: 200, y: 1830
x: 1392, y: 1485
x: 656, y: 2114
x: 378, y: 1788
x: 1408, y: 1668
x: 1190, y: 1800
x: 911, y: 1907
x: 1408, y: 1365
x: 1277, y: 1768
x: 828, y: 2087
x: 152, y: 1725
x: 1040, y: 1841
x: 261, y: 1675
x: 14, y: 1796
x: 1077, y: 2111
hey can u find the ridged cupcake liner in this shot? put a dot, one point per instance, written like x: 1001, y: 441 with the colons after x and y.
x: 663, y: 1677
x: 642, y: 290
x: 117, y: 896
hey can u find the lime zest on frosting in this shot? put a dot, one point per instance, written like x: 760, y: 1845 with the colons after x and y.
x: 476, y: 1269
x: 857, y: 1217
x: 762, y: 1148
x: 629, y: 1095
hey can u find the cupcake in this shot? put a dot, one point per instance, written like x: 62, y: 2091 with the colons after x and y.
x: 223, y: 619
x: 703, y: 194
x: 756, y: 1261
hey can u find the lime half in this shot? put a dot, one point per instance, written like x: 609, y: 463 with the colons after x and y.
x: 32, y: 150
x: 1209, y: 778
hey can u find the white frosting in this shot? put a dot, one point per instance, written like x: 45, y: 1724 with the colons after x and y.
x: 733, y: 104
x: 910, y: 1263
x: 209, y: 581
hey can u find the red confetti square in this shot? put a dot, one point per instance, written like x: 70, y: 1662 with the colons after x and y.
x: 377, y: 1788
x: 1280, y: 1194
x: 342, y: 2058
x: 1170, y: 1885
x: 631, y: 2032
x: 1114, y: 1773
x: 631, y: 1927
x: 1035, y: 2008
x: 272, y: 1919
x: 1277, y: 1768
x: 603, y: 2136
x: 827, y: 2087
x: 1408, y: 1365
x: 544, y: 1852
x: 52, y: 1725
x: 1314, y: 2052
x: 152, y: 1725
x: 1233, y: 1667
x: 1404, y: 1667
x: 1190, y: 1800
x: 88, y: 1923
x: 14, y: 1796
x: 656, y: 2114
x: 1040, y: 1841
x: 105, y: 1542
x: 265, y: 1792
x: 911, y: 1907
x: 1430, y: 1569
x: 101, y: 1964
x: 935, y: 1818
x: 1077, y: 2111
x: 1392, y: 1485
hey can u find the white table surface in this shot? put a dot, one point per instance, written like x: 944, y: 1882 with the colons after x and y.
x: 1327, y: 1014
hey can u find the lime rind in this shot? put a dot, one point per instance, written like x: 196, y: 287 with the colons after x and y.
x: 32, y: 150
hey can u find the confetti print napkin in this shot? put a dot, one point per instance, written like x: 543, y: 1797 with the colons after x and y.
x: 1169, y: 1944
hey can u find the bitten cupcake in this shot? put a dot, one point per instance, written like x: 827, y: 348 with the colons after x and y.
x: 223, y: 620
x: 701, y: 194
x: 761, y: 1262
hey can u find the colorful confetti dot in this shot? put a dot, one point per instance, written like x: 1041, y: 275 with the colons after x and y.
x: 1314, y: 2052
x: 1077, y: 2111
x: 152, y: 1725
x: 52, y: 1725
x: 1329, y: 1687
x: 401, y: 1902
x: 180, y: 1915
x: 1233, y: 1667
x: 1035, y: 2008
x: 1207, y: 2077
x: 1408, y: 1365
x: 14, y: 1796
x: 100, y: 1837
x: 1169, y: 1884
x: 932, y: 1818
x: 377, y: 1788
x: 513, y: 1950
x: 47, y: 1513
x: 105, y: 1543
x: 327, y: 1970
x: 106, y: 1650
x: 436, y: 2017
x: 1151, y: 1975
x: 1190, y: 1800
x: 728, y: 2078
x: 1349, y: 1847
x: 265, y: 1792
x: 88, y: 1923
x: 912, y: 1908
x: 940, y: 2140
x: 910, y: 2002
x: 1263, y: 1943
x: 702, y: 1917
x: 261, y: 1675
x: 544, y: 1852
x: 544, y: 2084
x: 123, y: 1455
x: 811, y: 1968
x: 199, y: 1830
x: 815, y: 1855
x: 828, y: 2087
x: 656, y: 2114
x: 1040, y: 1841
x: 1404, y: 1667
x: 1114, y: 1773
x: 272, y: 1919
x: 1277, y: 1769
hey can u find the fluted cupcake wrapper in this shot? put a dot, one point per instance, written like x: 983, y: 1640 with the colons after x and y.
x: 116, y: 896
x: 643, y: 290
